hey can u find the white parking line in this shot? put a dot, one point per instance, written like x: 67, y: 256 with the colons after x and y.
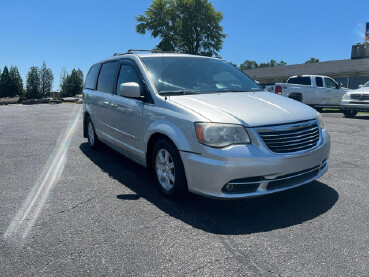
x: 24, y: 220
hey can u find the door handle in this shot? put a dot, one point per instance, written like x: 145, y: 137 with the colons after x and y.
x: 106, y: 102
x: 114, y: 105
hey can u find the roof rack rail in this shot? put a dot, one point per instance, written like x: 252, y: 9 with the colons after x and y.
x: 152, y: 51
x: 131, y: 51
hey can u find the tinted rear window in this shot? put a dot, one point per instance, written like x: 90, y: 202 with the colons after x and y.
x: 319, y: 82
x: 108, y: 75
x: 92, y: 77
x: 300, y: 81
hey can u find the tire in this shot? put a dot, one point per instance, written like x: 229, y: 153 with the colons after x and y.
x: 168, y: 170
x: 93, y: 141
x: 349, y: 114
x: 296, y: 97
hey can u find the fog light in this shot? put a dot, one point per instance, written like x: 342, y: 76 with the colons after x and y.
x: 229, y: 187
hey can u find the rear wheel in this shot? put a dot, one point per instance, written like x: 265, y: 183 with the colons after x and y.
x: 349, y: 114
x: 91, y: 134
x: 168, y: 169
x: 296, y: 97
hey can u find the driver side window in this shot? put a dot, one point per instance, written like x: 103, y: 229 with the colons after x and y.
x: 329, y: 83
x: 128, y: 74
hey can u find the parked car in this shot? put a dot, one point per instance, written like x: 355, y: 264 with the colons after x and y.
x: 202, y: 125
x: 314, y: 90
x: 356, y: 101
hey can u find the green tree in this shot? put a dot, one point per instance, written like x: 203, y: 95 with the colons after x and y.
x: 248, y: 65
x: 282, y: 63
x: 46, y: 80
x: 235, y: 65
x: 273, y: 63
x: 73, y: 83
x: 33, y: 83
x: 16, y: 81
x: 188, y: 26
x: 312, y: 60
x: 5, y: 83
x: 63, y: 81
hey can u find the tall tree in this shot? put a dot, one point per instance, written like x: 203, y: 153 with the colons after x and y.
x: 16, y: 81
x: 80, y: 80
x: 63, y: 80
x: 247, y: 64
x: 312, y: 60
x: 33, y: 83
x: 188, y: 26
x: 46, y: 80
x: 74, y: 83
x: 5, y: 83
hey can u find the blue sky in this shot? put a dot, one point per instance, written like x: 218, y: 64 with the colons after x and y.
x: 75, y: 34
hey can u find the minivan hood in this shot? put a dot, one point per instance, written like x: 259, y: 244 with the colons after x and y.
x: 249, y: 108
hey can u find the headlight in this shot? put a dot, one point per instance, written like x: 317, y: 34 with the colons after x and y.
x: 221, y: 135
x: 347, y: 96
x: 320, y: 118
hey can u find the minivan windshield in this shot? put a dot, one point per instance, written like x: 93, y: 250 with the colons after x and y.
x: 194, y: 75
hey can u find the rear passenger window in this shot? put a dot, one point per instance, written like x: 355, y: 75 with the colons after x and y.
x: 92, y: 76
x: 319, y: 82
x: 108, y: 75
x: 128, y: 74
x: 300, y: 81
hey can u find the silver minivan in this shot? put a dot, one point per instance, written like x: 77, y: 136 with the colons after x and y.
x: 202, y: 125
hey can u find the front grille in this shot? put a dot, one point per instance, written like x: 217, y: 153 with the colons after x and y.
x: 361, y: 97
x: 291, y: 137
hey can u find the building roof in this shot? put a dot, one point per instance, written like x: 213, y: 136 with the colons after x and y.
x: 331, y: 68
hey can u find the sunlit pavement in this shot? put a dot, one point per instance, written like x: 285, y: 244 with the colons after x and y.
x: 68, y: 210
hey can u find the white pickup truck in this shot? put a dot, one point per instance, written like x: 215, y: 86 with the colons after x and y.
x: 314, y: 90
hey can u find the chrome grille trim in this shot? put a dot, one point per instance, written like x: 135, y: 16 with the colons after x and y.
x: 291, y: 138
x: 290, y: 133
x: 359, y: 96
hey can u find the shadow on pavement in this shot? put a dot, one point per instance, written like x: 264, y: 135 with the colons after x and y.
x: 362, y: 116
x: 231, y: 217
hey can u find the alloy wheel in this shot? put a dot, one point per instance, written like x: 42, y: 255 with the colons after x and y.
x: 165, y: 169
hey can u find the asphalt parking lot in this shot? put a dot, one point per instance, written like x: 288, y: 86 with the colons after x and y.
x: 69, y: 210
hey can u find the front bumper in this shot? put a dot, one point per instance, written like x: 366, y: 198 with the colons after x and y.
x: 246, y: 165
x: 355, y: 105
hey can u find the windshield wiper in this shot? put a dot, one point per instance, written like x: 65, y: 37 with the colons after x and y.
x: 177, y: 92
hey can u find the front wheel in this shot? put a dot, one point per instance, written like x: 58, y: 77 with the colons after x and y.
x: 349, y: 114
x: 168, y: 169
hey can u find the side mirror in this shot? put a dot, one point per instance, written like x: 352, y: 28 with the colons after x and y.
x: 130, y: 90
x: 338, y: 86
x: 360, y: 86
